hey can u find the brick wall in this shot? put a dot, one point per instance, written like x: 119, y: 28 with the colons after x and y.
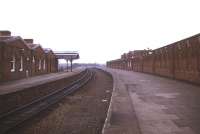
x: 187, y: 60
x: 148, y: 63
x: 39, y: 61
x: 17, y: 99
x: 179, y: 60
x: 5, y: 33
x: 17, y: 49
x: 48, y: 62
x: 51, y: 62
x: 1, y: 62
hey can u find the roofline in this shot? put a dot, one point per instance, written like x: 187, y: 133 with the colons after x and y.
x: 14, y: 38
x: 193, y: 36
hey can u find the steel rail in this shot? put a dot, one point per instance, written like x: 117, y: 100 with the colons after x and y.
x: 15, y: 117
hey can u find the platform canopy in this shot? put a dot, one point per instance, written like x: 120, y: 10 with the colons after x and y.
x: 68, y: 55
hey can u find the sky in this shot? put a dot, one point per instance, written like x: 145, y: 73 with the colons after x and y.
x: 101, y: 30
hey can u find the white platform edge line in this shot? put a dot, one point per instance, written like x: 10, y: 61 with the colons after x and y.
x: 107, y: 120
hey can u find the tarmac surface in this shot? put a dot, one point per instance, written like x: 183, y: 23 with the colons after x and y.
x: 149, y: 104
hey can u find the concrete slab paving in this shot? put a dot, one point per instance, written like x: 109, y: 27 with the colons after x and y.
x: 149, y: 104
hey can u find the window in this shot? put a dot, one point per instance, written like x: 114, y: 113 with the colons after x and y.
x: 44, y: 65
x: 12, y: 64
x: 33, y: 60
x: 40, y: 64
x: 21, y: 64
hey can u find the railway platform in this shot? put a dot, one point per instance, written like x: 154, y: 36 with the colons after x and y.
x: 147, y: 104
x: 18, y: 85
x: 15, y: 94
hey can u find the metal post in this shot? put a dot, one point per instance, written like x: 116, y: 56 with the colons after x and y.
x: 71, y: 63
x: 67, y: 64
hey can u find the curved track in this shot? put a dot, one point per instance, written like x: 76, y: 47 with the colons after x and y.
x: 12, y: 119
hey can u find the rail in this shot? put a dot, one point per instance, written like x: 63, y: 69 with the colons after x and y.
x: 15, y: 117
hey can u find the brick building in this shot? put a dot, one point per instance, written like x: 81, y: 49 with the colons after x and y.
x: 38, y: 59
x: 15, y: 57
x: 21, y: 58
x: 1, y: 62
x: 5, y: 33
x: 51, y: 61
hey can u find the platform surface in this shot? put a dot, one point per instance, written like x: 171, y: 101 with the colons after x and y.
x: 17, y: 85
x: 149, y: 104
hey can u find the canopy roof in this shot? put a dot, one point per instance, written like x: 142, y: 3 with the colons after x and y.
x: 68, y: 55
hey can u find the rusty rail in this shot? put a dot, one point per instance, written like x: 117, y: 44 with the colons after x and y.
x: 17, y: 116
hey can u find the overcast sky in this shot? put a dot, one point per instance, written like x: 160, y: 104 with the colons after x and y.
x: 101, y: 30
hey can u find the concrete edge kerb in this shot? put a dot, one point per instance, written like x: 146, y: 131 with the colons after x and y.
x: 109, y: 113
x: 28, y: 84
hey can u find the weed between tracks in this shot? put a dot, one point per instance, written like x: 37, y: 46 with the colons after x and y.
x: 83, y: 112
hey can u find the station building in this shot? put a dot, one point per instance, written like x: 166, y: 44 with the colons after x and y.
x: 38, y: 59
x: 15, y: 57
x: 51, y: 62
x: 21, y: 58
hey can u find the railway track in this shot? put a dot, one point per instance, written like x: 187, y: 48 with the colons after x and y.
x: 17, y: 116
